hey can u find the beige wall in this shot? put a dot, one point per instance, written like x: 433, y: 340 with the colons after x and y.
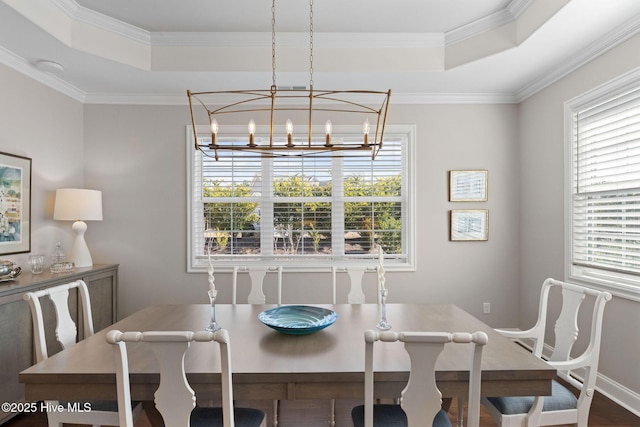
x: 542, y: 213
x: 136, y: 156
x: 42, y: 124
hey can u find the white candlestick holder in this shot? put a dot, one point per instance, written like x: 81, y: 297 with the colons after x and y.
x: 213, y: 325
x: 383, y: 324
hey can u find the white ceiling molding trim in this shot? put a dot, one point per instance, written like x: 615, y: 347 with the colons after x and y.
x: 495, y: 20
x: 482, y: 45
x: 452, y: 98
x: 396, y: 99
x: 97, y: 40
x: 517, y: 7
x: 98, y: 20
x: 497, y: 32
x: 535, y: 16
x: 613, y: 39
x: 18, y: 64
x: 478, y: 27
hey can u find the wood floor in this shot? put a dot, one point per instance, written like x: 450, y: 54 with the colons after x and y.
x: 604, y: 413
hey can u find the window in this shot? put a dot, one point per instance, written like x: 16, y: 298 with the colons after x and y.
x: 296, y: 211
x: 605, y: 186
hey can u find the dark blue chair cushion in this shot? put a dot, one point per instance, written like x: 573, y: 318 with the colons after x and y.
x: 561, y: 398
x: 212, y: 417
x: 393, y: 416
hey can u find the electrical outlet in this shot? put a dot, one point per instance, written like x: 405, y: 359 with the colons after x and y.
x: 486, y: 308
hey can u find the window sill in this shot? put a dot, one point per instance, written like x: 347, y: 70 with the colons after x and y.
x: 618, y: 284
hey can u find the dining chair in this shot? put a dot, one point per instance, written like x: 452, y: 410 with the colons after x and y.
x: 421, y: 400
x: 355, y: 296
x: 356, y: 276
x: 256, y: 275
x: 562, y: 407
x: 257, y: 296
x: 66, y: 333
x: 174, y: 398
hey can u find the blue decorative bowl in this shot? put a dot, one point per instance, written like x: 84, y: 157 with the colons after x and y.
x: 298, y: 319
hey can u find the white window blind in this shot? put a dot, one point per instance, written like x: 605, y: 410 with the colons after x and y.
x: 606, y: 184
x: 300, y: 209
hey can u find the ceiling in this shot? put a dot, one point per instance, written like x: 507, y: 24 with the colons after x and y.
x: 425, y: 51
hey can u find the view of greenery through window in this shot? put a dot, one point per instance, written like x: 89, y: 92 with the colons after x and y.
x: 303, y: 227
x: 303, y: 209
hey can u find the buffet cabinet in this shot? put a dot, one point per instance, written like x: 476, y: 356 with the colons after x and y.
x: 16, y: 328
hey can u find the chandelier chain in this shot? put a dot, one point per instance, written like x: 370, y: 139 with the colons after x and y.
x: 272, y: 104
x: 273, y: 43
x: 310, y: 43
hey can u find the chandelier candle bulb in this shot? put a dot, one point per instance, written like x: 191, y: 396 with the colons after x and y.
x: 328, y: 127
x: 214, y: 132
x: 381, y: 278
x: 365, y: 130
x: 252, y: 131
x: 289, y: 126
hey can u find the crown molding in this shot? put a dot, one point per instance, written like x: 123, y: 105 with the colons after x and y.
x: 26, y: 68
x: 137, y: 99
x: 517, y: 7
x: 397, y: 98
x: 452, y: 98
x: 614, y: 38
x: 90, y: 17
x: 611, y: 40
x: 478, y: 27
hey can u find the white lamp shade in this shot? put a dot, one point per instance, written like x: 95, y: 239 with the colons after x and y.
x: 78, y: 204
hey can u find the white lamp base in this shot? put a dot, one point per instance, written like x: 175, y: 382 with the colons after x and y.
x: 80, y: 254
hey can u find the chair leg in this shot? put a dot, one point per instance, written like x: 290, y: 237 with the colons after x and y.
x: 460, y: 411
x: 275, y: 413
x: 332, y: 412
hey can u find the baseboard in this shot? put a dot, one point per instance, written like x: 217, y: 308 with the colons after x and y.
x: 618, y: 393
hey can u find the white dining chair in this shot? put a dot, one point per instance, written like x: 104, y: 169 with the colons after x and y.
x: 356, y: 283
x: 355, y: 296
x: 421, y: 400
x: 257, y: 296
x: 257, y: 276
x: 174, y: 398
x: 562, y: 407
x: 66, y: 333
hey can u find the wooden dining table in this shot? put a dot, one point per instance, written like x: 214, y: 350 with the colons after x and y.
x: 267, y: 364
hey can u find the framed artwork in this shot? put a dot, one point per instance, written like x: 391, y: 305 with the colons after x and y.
x: 15, y: 204
x: 469, y: 225
x: 468, y: 185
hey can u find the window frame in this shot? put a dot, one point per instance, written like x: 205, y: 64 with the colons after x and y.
x: 198, y: 264
x: 621, y: 284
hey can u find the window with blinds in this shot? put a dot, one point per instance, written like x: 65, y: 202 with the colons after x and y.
x: 300, y: 209
x: 605, y: 203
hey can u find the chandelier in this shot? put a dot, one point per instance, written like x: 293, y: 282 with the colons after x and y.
x: 275, y: 106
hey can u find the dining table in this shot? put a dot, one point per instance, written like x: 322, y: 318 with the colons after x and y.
x: 267, y: 364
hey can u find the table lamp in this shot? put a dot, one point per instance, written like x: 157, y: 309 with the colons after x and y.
x: 79, y: 205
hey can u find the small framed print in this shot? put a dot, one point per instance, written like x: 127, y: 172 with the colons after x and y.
x: 15, y: 204
x: 468, y: 185
x: 469, y: 225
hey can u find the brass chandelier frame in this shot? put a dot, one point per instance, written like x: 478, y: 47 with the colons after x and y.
x: 276, y: 100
